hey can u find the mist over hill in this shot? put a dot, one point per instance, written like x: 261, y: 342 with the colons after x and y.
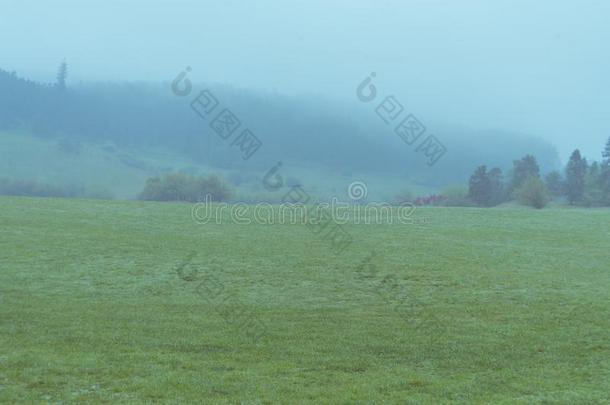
x: 298, y: 131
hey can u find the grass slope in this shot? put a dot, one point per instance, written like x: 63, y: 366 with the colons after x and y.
x: 100, y: 168
x: 122, y: 172
x: 474, y: 306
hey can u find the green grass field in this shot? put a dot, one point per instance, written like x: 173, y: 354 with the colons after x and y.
x: 133, y: 302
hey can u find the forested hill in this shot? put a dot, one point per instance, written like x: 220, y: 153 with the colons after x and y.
x: 291, y: 129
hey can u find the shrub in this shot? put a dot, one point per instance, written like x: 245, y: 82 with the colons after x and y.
x: 215, y: 187
x: 184, y: 187
x: 430, y: 200
x: 532, y: 193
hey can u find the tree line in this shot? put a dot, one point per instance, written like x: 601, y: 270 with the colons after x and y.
x: 295, y: 130
x: 580, y: 183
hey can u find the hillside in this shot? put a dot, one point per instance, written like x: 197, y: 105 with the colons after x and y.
x: 150, y: 129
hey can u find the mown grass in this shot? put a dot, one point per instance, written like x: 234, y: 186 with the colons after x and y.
x: 99, y: 303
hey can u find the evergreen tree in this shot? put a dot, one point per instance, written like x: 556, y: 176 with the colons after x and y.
x: 593, y: 191
x: 496, y: 183
x: 555, y: 184
x: 522, y: 169
x: 604, y: 184
x: 479, y: 186
x: 604, y: 176
x: 485, y: 188
x: 62, y: 75
x: 576, y: 171
x: 606, y: 152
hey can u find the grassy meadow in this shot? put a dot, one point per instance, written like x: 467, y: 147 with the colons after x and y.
x: 134, y: 302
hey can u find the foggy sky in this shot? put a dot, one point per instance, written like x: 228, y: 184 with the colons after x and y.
x: 539, y: 68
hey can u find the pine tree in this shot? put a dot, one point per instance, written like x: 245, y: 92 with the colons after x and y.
x: 496, y: 186
x: 62, y: 75
x: 604, y: 184
x: 555, y: 184
x: 576, y: 171
x: 593, y: 192
x: 485, y: 188
x: 522, y: 169
x: 606, y: 152
x: 604, y: 176
x: 479, y: 187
